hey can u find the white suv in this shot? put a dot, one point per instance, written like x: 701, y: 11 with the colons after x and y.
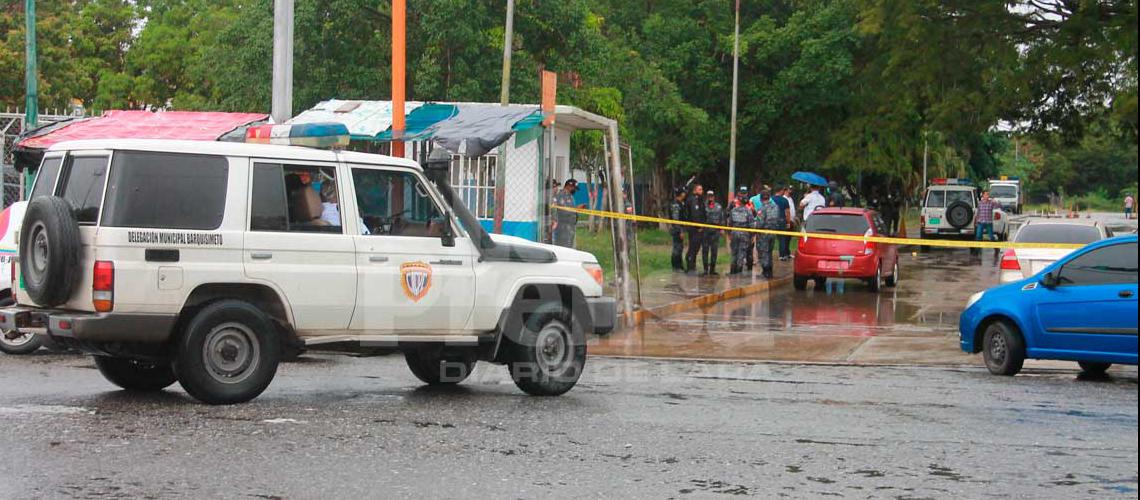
x: 948, y: 211
x: 207, y: 262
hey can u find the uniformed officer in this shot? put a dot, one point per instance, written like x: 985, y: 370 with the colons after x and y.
x: 565, y: 222
x: 677, y: 213
x: 714, y: 212
x: 740, y: 216
x: 744, y: 195
x: 768, y: 216
x: 697, y: 213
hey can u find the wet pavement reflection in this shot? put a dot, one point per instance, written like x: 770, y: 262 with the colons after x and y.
x: 915, y: 322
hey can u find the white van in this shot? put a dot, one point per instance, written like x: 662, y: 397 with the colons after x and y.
x: 204, y: 262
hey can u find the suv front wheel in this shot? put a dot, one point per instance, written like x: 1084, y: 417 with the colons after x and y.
x: 548, y: 357
x: 438, y: 369
x: 135, y: 375
x: 227, y: 354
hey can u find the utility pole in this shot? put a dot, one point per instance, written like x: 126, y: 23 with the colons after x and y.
x: 31, y: 76
x: 281, y: 109
x: 925, y: 143
x: 505, y: 100
x: 399, y: 80
x: 735, y: 82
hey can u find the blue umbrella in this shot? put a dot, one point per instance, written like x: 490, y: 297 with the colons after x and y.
x: 810, y: 178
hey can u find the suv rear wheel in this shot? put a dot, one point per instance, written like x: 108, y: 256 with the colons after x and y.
x: 227, y: 354
x: 135, y: 375
x: 549, y: 354
x: 439, y: 369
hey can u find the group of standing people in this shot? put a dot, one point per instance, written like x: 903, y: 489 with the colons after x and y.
x: 769, y: 209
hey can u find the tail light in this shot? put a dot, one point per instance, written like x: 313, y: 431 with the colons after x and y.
x: 1009, y: 261
x: 868, y: 247
x: 103, y: 286
x: 595, y: 271
x: 997, y: 215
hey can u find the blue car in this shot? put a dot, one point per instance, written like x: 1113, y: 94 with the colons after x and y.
x: 1082, y: 308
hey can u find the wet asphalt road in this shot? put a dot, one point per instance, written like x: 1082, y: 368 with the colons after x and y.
x: 340, y: 427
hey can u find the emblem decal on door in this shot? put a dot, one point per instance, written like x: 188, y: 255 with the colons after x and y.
x: 416, y: 278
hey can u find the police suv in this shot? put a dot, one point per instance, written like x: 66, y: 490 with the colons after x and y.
x: 948, y: 211
x: 206, y: 263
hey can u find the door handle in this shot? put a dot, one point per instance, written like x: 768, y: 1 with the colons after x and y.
x: 1124, y: 294
x: 261, y: 255
x: 447, y: 262
x: 377, y: 258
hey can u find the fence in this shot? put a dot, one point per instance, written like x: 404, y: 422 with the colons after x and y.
x: 11, y: 126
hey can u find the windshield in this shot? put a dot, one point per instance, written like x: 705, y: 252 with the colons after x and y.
x: 1057, y: 233
x: 1003, y: 191
x: 838, y: 223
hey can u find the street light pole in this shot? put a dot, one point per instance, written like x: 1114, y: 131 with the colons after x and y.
x: 281, y: 108
x: 735, y: 84
x: 31, y: 76
x: 504, y: 99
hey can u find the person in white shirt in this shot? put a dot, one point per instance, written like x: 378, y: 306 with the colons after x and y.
x: 791, y: 205
x: 812, y: 201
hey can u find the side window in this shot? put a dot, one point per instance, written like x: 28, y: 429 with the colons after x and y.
x: 45, y: 178
x: 166, y: 190
x: 395, y: 203
x: 1109, y: 265
x: 81, y: 184
x: 295, y: 198
x: 936, y: 198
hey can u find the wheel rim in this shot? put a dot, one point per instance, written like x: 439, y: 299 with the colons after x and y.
x: 19, y: 341
x: 998, y: 348
x: 895, y: 273
x: 231, y: 353
x: 879, y: 277
x: 41, y: 248
x: 552, y: 347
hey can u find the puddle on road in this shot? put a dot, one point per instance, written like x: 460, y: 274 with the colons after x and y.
x: 828, y: 324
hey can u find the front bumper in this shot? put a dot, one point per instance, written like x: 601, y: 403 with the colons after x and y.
x: 89, y: 327
x: 603, y: 314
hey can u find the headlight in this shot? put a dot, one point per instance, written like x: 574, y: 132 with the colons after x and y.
x: 595, y: 271
x: 974, y: 298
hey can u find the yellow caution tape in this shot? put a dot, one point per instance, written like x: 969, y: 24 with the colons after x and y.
x: 825, y: 236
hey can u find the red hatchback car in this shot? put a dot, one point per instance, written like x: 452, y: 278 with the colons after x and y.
x: 819, y: 259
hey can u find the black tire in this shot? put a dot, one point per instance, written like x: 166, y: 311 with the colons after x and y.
x: 875, y: 284
x: 49, y: 251
x: 134, y: 375
x: 893, y: 280
x: 799, y: 282
x: 436, y: 369
x: 1094, y: 367
x: 820, y: 283
x: 24, y: 344
x: 959, y: 214
x: 550, y: 353
x: 228, y: 353
x: 1003, y: 349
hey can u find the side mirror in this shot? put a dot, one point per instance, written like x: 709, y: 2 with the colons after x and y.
x: 447, y: 235
x: 1049, y: 280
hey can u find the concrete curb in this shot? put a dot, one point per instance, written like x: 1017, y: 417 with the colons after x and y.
x: 704, y: 301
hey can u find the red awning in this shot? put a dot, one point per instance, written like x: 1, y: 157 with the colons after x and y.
x: 184, y: 125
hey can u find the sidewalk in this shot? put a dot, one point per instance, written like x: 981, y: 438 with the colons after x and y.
x: 669, y: 293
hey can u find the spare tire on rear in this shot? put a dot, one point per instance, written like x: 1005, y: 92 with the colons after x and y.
x: 49, y: 251
x: 959, y: 214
